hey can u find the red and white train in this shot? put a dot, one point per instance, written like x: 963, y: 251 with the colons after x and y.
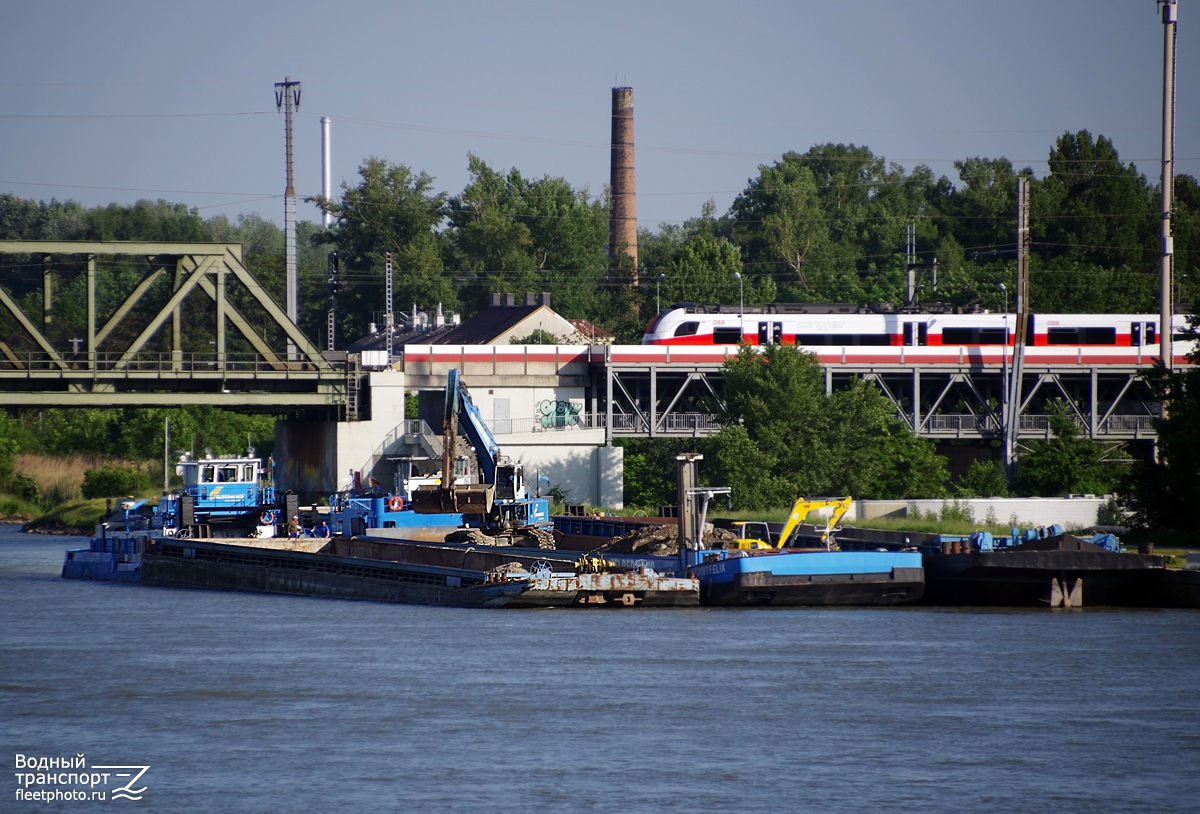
x: 828, y: 326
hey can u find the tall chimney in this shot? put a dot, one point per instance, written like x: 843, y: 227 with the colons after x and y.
x: 623, y: 223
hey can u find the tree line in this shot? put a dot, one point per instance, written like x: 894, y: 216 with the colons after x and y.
x: 825, y: 225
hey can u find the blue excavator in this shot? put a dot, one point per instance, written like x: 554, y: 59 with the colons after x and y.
x: 508, y: 515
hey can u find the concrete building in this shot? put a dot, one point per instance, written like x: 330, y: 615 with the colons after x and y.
x: 533, y: 398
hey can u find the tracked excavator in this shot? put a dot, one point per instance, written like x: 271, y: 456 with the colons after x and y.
x: 755, y: 534
x: 509, y: 516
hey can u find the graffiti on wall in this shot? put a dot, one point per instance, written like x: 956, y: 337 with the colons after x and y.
x: 556, y: 414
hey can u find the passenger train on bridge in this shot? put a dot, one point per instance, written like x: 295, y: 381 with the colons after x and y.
x: 832, y: 325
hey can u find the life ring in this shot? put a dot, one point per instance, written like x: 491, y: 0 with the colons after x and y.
x: 266, y: 519
x: 395, y: 503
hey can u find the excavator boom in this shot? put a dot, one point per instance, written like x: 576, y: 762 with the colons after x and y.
x: 803, y: 506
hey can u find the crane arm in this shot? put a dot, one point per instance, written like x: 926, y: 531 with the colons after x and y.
x: 803, y: 506
x: 460, y: 411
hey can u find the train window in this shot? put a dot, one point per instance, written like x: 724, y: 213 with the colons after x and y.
x: 1099, y: 336
x: 974, y: 336
x: 843, y: 339
x: 727, y: 336
x: 687, y: 329
x: 1151, y: 334
x: 1081, y: 336
x: 1135, y: 334
x: 922, y: 334
x: 908, y: 333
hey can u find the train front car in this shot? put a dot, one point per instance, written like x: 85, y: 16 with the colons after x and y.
x: 1095, y: 338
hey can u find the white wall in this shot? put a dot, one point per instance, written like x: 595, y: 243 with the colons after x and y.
x: 575, y: 461
x: 572, y: 458
x: 1077, y: 512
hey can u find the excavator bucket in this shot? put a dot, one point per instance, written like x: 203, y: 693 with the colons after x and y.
x: 475, y: 498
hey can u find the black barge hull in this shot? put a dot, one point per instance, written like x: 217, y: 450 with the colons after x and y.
x: 1055, y: 572
x: 216, y: 566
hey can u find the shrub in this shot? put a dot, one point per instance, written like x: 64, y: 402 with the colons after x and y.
x: 113, y: 481
x: 25, y: 487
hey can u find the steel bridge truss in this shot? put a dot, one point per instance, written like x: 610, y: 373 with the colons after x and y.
x: 139, y: 355
x: 944, y: 402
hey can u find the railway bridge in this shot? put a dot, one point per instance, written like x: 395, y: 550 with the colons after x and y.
x: 117, y: 323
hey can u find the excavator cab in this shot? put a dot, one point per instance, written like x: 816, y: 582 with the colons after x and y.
x: 752, y: 534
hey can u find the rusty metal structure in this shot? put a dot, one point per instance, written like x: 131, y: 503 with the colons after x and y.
x: 622, y: 241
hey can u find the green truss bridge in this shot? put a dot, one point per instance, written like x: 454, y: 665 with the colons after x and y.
x: 155, y: 324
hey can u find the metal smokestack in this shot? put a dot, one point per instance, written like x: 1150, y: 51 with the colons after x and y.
x: 326, y: 183
x: 623, y: 222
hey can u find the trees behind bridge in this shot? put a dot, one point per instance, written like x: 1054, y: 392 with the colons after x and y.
x: 825, y: 224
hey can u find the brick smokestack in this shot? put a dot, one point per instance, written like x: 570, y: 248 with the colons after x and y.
x: 623, y: 223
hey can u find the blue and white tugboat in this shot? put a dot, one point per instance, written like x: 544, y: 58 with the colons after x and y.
x: 220, y: 497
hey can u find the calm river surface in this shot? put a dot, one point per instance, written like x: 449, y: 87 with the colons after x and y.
x: 244, y: 702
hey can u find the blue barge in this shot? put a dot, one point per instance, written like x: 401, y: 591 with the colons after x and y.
x: 795, y: 578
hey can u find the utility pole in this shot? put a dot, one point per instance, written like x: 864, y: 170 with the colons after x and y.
x: 1170, y: 13
x: 910, y: 232
x: 913, y: 287
x: 1012, y: 417
x: 334, y: 285
x: 388, y: 318
x: 287, y: 97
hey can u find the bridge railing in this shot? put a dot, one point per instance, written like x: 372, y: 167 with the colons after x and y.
x: 941, y: 424
x: 41, y: 365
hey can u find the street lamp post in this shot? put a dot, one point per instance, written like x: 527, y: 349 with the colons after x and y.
x: 657, y: 283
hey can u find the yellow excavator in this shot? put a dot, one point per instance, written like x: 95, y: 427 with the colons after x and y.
x: 754, y: 534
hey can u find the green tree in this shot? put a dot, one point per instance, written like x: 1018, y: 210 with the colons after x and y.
x: 9, y: 447
x: 510, y: 234
x: 984, y: 209
x: 538, y: 337
x: 782, y: 436
x: 650, y: 470
x: 147, y: 220
x: 702, y: 270
x: 983, y: 479
x: 1068, y: 463
x: 1165, y: 493
x: 780, y: 221
x: 392, y: 209
x: 1093, y: 213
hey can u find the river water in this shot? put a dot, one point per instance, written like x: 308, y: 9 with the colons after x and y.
x: 253, y: 703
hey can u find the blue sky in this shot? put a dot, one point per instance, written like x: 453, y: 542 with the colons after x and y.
x: 116, y: 101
